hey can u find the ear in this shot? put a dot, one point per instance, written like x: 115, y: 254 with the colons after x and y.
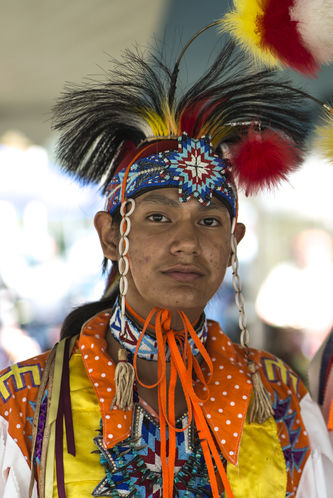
x: 239, y: 234
x: 108, y: 233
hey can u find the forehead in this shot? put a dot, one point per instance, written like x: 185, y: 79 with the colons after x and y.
x: 170, y: 197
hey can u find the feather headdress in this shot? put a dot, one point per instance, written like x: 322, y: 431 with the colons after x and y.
x: 101, y: 123
x: 294, y: 33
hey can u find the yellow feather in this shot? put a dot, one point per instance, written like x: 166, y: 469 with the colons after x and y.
x: 156, y: 123
x: 241, y: 23
x: 324, y: 136
x: 170, y: 118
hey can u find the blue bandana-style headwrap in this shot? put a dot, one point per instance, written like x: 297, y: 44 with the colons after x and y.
x: 193, y: 169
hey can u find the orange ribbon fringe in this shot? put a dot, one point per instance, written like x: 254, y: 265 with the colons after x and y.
x: 183, y: 365
x: 330, y: 418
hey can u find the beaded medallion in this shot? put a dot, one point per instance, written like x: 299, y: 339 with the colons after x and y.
x: 133, y: 466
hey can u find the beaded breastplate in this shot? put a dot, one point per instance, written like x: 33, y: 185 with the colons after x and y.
x: 133, y: 466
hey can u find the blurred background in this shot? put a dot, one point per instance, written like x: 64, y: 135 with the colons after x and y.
x: 50, y: 259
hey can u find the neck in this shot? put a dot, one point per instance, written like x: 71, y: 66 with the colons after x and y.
x: 176, y: 323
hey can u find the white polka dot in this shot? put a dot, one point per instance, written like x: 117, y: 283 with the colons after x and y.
x: 221, y: 367
x: 283, y: 436
x: 228, y: 422
x: 220, y: 410
x: 212, y: 399
x: 224, y: 393
x: 214, y: 338
x: 18, y: 426
x: 29, y: 387
x: 244, y: 397
x: 90, y: 370
x: 231, y: 453
x: 109, y: 363
x: 119, y: 426
x: 97, y: 336
x: 204, y: 388
x: 96, y: 357
x: 21, y: 414
x: 83, y: 346
x: 235, y: 434
x: 107, y: 314
x: 125, y: 416
x: 249, y: 381
x: 101, y: 324
x: 109, y: 389
x: 209, y: 374
x: 229, y: 343
x: 115, y: 407
x: 240, y: 415
x: 24, y: 399
x: 229, y: 376
x: 236, y: 386
x: 305, y: 433
x: 85, y: 356
x: 213, y: 359
x: 217, y: 382
x: 232, y: 403
x: 96, y: 384
x: 110, y: 436
x: 103, y: 375
x: 216, y: 429
x: 241, y: 371
x: 102, y: 400
x: 223, y: 441
x: 209, y: 415
x: 92, y: 346
x: 107, y: 416
x: 6, y: 413
x: 223, y: 348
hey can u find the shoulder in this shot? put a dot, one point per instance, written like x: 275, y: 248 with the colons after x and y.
x: 279, y: 378
x: 19, y: 385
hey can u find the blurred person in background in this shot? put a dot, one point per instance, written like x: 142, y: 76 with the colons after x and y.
x: 295, y: 300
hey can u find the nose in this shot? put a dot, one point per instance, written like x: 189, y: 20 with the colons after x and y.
x: 184, y: 239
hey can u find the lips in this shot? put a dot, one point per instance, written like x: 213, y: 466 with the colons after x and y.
x: 183, y: 273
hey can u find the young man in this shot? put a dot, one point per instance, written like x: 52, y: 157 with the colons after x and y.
x: 144, y: 396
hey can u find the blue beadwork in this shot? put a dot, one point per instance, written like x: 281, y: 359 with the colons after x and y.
x: 133, y: 466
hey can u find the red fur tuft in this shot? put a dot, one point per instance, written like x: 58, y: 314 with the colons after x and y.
x: 263, y: 159
x: 280, y: 34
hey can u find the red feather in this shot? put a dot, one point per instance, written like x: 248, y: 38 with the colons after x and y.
x: 195, y: 115
x: 263, y: 159
x: 280, y: 34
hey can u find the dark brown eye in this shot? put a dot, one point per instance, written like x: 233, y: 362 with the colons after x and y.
x: 209, y: 222
x: 157, y: 218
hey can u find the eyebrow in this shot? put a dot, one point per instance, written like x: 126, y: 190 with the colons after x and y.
x: 163, y: 199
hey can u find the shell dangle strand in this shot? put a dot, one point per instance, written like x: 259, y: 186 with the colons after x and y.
x: 261, y: 407
x: 124, y: 374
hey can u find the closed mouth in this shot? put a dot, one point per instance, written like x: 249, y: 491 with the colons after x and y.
x: 183, y: 273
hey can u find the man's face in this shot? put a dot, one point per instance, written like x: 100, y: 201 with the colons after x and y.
x: 178, y: 252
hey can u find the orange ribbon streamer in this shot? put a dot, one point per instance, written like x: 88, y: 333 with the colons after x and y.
x: 183, y: 366
x: 330, y: 418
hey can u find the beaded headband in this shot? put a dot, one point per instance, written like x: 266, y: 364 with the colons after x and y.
x: 193, y: 169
